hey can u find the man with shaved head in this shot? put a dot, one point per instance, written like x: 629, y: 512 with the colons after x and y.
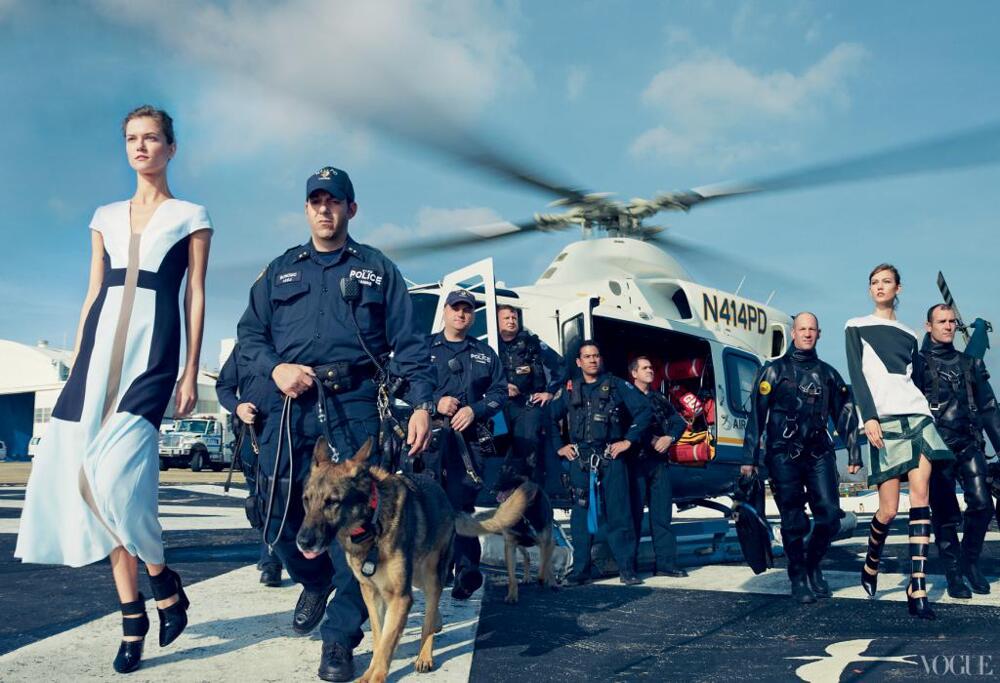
x: 793, y: 399
x: 958, y: 392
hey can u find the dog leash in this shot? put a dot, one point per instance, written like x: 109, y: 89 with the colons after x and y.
x: 284, y: 434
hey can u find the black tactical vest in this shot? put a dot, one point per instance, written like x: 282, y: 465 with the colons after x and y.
x: 596, y: 421
x: 522, y: 360
x: 950, y: 391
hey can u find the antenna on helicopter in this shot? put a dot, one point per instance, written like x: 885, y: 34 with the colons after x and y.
x: 740, y: 286
x: 769, y: 297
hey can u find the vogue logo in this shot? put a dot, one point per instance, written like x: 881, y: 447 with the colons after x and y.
x: 958, y: 665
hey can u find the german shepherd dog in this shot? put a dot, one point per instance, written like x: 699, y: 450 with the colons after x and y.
x: 534, y: 528
x: 397, y: 533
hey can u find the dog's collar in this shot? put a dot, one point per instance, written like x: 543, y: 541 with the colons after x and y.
x: 369, y: 529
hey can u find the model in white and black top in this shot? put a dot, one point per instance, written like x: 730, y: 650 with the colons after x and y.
x: 880, y: 356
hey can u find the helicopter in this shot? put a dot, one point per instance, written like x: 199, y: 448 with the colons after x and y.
x: 623, y: 285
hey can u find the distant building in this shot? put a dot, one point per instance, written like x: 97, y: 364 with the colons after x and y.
x: 31, y: 378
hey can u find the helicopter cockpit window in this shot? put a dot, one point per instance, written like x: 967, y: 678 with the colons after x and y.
x: 741, y: 370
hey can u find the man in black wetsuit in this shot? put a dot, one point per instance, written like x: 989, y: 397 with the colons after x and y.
x: 793, y: 399
x: 958, y: 391
x: 534, y: 374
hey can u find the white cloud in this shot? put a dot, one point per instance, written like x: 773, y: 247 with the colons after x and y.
x: 576, y: 81
x: 434, y: 222
x: 705, y: 97
x: 293, y: 69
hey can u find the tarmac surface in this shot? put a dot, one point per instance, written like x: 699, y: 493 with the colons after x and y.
x: 721, y: 623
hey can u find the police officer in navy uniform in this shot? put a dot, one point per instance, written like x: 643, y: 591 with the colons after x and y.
x: 534, y: 374
x: 794, y: 398
x: 605, y: 417
x: 649, y: 473
x: 244, y: 394
x: 330, y: 311
x: 470, y: 389
x: 958, y: 391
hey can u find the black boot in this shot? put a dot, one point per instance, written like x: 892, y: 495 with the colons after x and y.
x: 129, y: 656
x: 916, y: 594
x: 946, y: 539
x: 877, y: 534
x: 818, y: 584
x: 336, y: 663
x: 976, y: 524
x: 173, y: 619
x: 801, y: 591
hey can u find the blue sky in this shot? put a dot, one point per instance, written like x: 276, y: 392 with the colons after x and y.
x: 625, y: 97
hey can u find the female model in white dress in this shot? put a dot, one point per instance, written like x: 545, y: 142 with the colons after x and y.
x: 94, y: 484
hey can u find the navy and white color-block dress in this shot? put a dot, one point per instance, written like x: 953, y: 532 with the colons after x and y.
x: 94, y: 480
x: 880, y: 358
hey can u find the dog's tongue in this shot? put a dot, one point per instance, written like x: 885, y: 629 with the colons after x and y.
x: 309, y: 555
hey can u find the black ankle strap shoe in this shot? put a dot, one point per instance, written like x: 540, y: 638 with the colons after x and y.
x: 129, y: 657
x: 173, y: 619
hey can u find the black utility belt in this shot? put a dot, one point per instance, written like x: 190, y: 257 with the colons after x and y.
x: 343, y: 376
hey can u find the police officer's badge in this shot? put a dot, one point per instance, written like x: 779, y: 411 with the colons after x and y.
x: 765, y: 388
x: 326, y: 173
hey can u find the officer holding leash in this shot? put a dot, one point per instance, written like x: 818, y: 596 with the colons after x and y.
x: 470, y: 389
x: 793, y: 399
x: 244, y: 394
x: 605, y: 417
x: 960, y: 397
x: 534, y: 374
x: 321, y: 322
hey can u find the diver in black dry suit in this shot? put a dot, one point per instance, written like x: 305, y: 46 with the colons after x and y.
x: 958, y: 391
x: 793, y: 398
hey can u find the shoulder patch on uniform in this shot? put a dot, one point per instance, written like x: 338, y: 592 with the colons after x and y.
x: 542, y: 345
x: 260, y: 274
x: 765, y: 388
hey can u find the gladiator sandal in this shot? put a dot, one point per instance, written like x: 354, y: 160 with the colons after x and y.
x: 173, y: 619
x: 876, y: 539
x: 920, y: 532
x: 135, y: 623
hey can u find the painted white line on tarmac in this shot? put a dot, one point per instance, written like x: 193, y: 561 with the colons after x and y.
x: 738, y: 579
x: 239, y: 631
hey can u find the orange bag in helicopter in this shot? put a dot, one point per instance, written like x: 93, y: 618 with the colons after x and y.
x: 689, y: 368
x: 692, y: 448
x: 710, y: 411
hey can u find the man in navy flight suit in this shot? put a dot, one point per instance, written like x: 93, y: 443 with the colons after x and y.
x: 327, y: 311
x: 244, y: 394
x: 471, y: 387
x: 605, y: 417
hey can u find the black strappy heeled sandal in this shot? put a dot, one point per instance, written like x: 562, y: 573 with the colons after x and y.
x: 876, y: 540
x: 173, y: 619
x: 129, y: 657
x: 920, y: 528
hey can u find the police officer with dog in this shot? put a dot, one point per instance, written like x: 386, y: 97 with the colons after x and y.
x: 535, y: 373
x: 470, y: 388
x: 793, y: 399
x: 605, y: 417
x: 322, y: 320
x: 244, y: 394
x: 963, y: 404
x: 649, y: 473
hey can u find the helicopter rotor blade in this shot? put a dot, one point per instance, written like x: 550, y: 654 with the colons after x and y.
x: 485, y: 233
x: 969, y: 148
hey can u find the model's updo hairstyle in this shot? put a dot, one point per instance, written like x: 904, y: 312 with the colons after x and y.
x: 161, y: 117
x: 895, y: 273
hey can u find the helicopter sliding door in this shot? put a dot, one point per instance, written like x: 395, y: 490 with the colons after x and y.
x: 575, y: 324
x: 478, y: 279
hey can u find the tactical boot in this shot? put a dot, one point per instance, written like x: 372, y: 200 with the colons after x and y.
x: 309, y: 610
x: 270, y: 576
x: 466, y: 583
x: 801, y: 592
x: 336, y: 663
x: 949, y: 550
x: 980, y: 584
x: 818, y: 584
x: 956, y: 585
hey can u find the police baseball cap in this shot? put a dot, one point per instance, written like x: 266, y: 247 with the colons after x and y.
x: 333, y: 180
x: 461, y: 296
